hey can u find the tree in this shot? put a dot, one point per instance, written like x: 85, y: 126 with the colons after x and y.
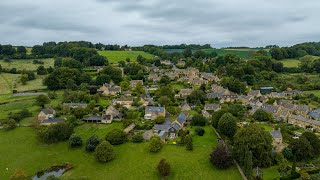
x: 198, y: 120
x: 75, y: 140
x: 92, y: 143
x: 41, y: 70
x: 104, y: 152
x: 155, y: 144
x: 55, y: 133
x: 187, y: 53
x: 262, y: 115
x: 164, y: 101
x: 116, y: 137
x: 199, y: 130
x: 294, y: 165
x: 165, y: 80
x: 301, y: 148
x: 24, y: 79
x: 60, y: 77
x: 42, y: 100
x: 313, y: 140
x: 197, y: 96
x: 228, y: 125
x: 247, y: 166
x: 101, y: 79
x: 216, y: 117
x: 188, y: 142
x: 163, y: 168
x: 287, y: 153
x: 257, y: 140
x: 114, y: 73
x: 160, y: 120
x: 137, y: 138
x: 9, y: 124
x: 221, y: 157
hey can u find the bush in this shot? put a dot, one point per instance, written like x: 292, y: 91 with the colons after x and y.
x: 104, y: 152
x: 116, y: 137
x: 137, y: 138
x: 198, y: 120
x: 221, y: 157
x: 75, y: 141
x: 200, y: 131
x: 55, y: 133
x: 160, y: 120
x: 262, y: 115
x: 155, y: 144
x: 9, y: 124
x: 92, y: 143
x: 163, y: 168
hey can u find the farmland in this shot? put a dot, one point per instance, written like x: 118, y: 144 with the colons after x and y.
x: 116, y: 56
x: 133, y: 161
x: 290, y: 63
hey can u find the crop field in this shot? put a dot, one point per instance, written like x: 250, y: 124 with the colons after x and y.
x: 116, y: 56
x: 27, y: 64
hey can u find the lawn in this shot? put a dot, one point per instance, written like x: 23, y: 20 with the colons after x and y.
x: 116, y: 56
x: 290, y: 62
x: 271, y: 173
x: 27, y: 64
x: 315, y: 92
x: 239, y: 52
x: 133, y: 161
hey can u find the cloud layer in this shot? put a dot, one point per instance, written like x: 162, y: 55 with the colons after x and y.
x: 137, y: 22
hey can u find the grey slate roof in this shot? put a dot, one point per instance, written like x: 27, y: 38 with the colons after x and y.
x: 276, y: 134
x: 154, y: 109
x: 48, y: 110
x: 94, y: 118
x: 182, y: 118
x: 52, y: 121
x: 75, y: 104
x: 163, y: 135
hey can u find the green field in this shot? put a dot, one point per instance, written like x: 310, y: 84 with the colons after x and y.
x: 133, y: 161
x: 116, y: 56
x: 8, y: 82
x: 290, y: 62
x: 27, y: 64
x: 242, y: 53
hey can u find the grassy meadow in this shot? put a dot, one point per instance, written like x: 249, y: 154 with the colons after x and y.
x: 290, y: 62
x: 116, y: 56
x: 133, y: 161
x: 27, y: 64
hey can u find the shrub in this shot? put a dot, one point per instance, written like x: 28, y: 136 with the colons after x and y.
x: 92, y: 143
x: 198, y: 120
x: 199, y: 130
x: 155, y: 144
x: 75, y: 141
x: 9, y: 124
x: 55, y: 133
x: 160, y: 120
x: 262, y: 115
x: 116, y: 137
x: 163, y: 168
x: 221, y: 157
x: 137, y: 138
x: 104, y: 152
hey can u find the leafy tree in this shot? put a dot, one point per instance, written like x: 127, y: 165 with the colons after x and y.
x: 197, y: 96
x: 103, y: 78
x: 287, y: 153
x: 198, y: 120
x: 187, y: 53
x: 216, y: 117
x: 114, y: 73
x: 24, y: 79
x: 258, y: 141
x: 221, y: 157
x: 165, y: 80
x: 160, y: 119
x: 55, y: 133
x: 163, y: 168
x: 75, y: 140
x: 262, y: 115
x: 71, y: 63
x: 104, y: 152
x: 247, y: 166
x: 137, y: 138
x: 116, y: 137
x: 42, y: 100
x: 164, y: 101
x: 155, y: 144
x: 228, y: 125
x: 9, y: 124
x: 277, y: 67
x: 92, y: 143
x: 60, y: 77
x: 188, y: 142
x: 301, y: 148
x: 21, y: 51
x: 313, y: 140
x: 199, y: 130
x: 41, y: 70
x: 98, y: 60
x: 294, y: 165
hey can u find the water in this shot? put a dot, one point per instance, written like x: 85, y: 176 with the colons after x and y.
x: 47, y: 174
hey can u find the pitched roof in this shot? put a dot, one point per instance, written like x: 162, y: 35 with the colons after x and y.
x: 276, y: 133
x: 176, y: 126
x: 48, y: 111
x: 94, y: 118
x: 211, y: 106
x: 163, y: 135
x: 75, y: 104
x: 154, y: 109
x: 52, y: 121
x: 182, y: 118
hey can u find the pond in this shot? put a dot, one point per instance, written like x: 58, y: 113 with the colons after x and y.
x: 45, y: 175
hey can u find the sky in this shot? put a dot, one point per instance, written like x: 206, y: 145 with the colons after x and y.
x: 221, y: 23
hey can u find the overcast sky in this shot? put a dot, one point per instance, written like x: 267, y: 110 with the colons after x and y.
x: 220, y: 23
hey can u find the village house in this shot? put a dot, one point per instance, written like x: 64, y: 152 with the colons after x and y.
x: 166, y: 62
x: 183, y: 93
x: 134, y: 83
x: 104, y: 119
x: 315, y: 114
x: 206, y: 114
x: 154, y: 77
x: 192, y: 72
x: 266, y: 90
x: 113, y: 112
x: 46, y: 113
x: 163, y: 135
x: 270, y: 108
x: 289, y: 93
x: 197, y: 81
x: 123, y: 101
x: 277, y: 140
x: 277, y: 95
x: 302, y: 110
x: 212, y: 107
x: 209, y: 77
x: 109, y: 89
x: 153, y: 112
x: 185, y: 107
x: 254, y: 93
x: 303, y: 122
